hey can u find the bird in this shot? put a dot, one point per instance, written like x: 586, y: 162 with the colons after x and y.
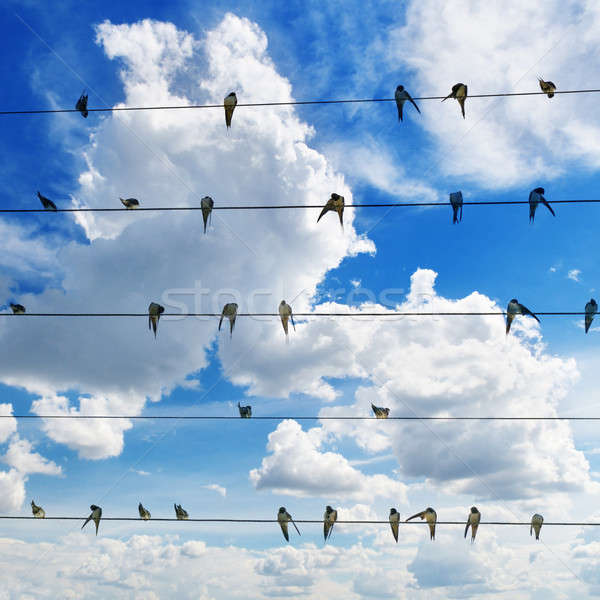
x: 130, y: 203
x: 284, y: 517
x: 473, y: 520
x: 430, y: 516
x: 380, y: 413
x: 402, y: 96
x: 245, y: 411
x: 18, y: 309
x: 180, y: 513
x: 456, y: 199
x: 535, y: 197
x: 547, y: 87
x: 591, y: 308
x: 38, y: 511
x: 394, y: 520
x: 144, y: 513
x: 329, y: 519
x: 335, y: 203
x: 81, y: 105
x: 46, y: 202
x: 229, y: 311
x: 229, y: 105
x: 285, y: 312
x: 206, y: 204
x: 95, y: 516
x: 536, y: 524
x: 154, y: 312
x: 459, y: 93
x: 515, y: 308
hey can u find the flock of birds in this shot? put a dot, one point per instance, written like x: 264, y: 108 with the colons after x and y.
x: 329, y: 519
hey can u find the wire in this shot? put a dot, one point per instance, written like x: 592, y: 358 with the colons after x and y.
x: 287, y: 206
x: 163, y: 519
x: 289, y: 103
x: 304, y: 418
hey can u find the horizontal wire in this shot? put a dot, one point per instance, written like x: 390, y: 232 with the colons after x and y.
x: 304, y: 418
x: 169, y: 519
x: 286, y: 206
x: 287, y: 103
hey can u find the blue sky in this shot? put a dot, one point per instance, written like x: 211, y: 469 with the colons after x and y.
x: 153, y: 53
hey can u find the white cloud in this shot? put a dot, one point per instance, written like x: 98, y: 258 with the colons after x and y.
x: 12, y: 490
x: 215, y: 487
x: 20, y: 456
x: 8, y: 426
x: 574, y: 274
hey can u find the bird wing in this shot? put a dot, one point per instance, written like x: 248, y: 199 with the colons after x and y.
x: 547, y: 205
x: 394, y: 526
x: 467, y: 527
x: 284, y: 529
x: 526, y: 311
x: 294, y: 524
x: 326, y: 209
x: 86, y: 521
x: 221, y: 320
x: 419, y: 514
x: 413, y: 103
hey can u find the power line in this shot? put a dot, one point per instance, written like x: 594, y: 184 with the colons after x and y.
x: 286, y: 206
x: 287, y: 103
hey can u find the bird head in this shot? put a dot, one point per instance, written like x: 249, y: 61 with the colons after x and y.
x: 393, y: 511
x: 474, y: 509
x: 539, y: 190
x: 282, y: 510
x: 400, y: 88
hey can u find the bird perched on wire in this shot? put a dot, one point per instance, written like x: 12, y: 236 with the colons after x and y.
x: 284, y: 517
x: 459, y: 93
x: 130, y: 203
x: 245, y: 411
x: 547, y: 87
x: 329, y: 519
x: 535, y: 197
x: 335, y: 203
x: 401, y: 97
x: 154, y: 312
x: 536, y: 525
x: 38, y: 511
x: 95, y: 516
x: 229, y: 104
x: 206, y: 204
x: 591, y: 308
x: 380, y: 413
x: 456, y: 200
x: 285, y: 313
x: 18, y: 309
x: 180, y: 513
x: 473, y: 520
x: 81, y: 105
x: 515, y: 308
x: 394, y: 521
x: 430, y: 516
x: 46, y: 202
x: 144, y: 513
x: 229, y: 311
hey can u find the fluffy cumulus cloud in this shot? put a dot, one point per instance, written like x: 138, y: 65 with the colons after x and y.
x: 502, y: 48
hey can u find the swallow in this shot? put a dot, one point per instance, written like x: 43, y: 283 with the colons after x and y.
x: 229, y: 105
x: 285, y: 312
x: 95, y: 516
x: 38, y: 511
x: 284, y: 517
x: 130, y: 203
x: 535, y: 197
x: 473, y: 520
x: 394, y: 520
x: 431, y: 517
x: 46, y: 202
x: 206, y: 204
x: 380, y: 413
x: 402, y: 96
x: 18, y: 309
x: 335, y: 203
x: 536, y: 524
x: 245, y: 411
x: 81, y: 105
x: 459, y: 93
x: 591, y: 308
x: 229, y: 311
x: 516, y: 308
x: 456, y: 200
x: 329, y: 519
x: 180, y: 513
x: 144, y: 513
x: 547, y: 87
x: 154, y: 312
